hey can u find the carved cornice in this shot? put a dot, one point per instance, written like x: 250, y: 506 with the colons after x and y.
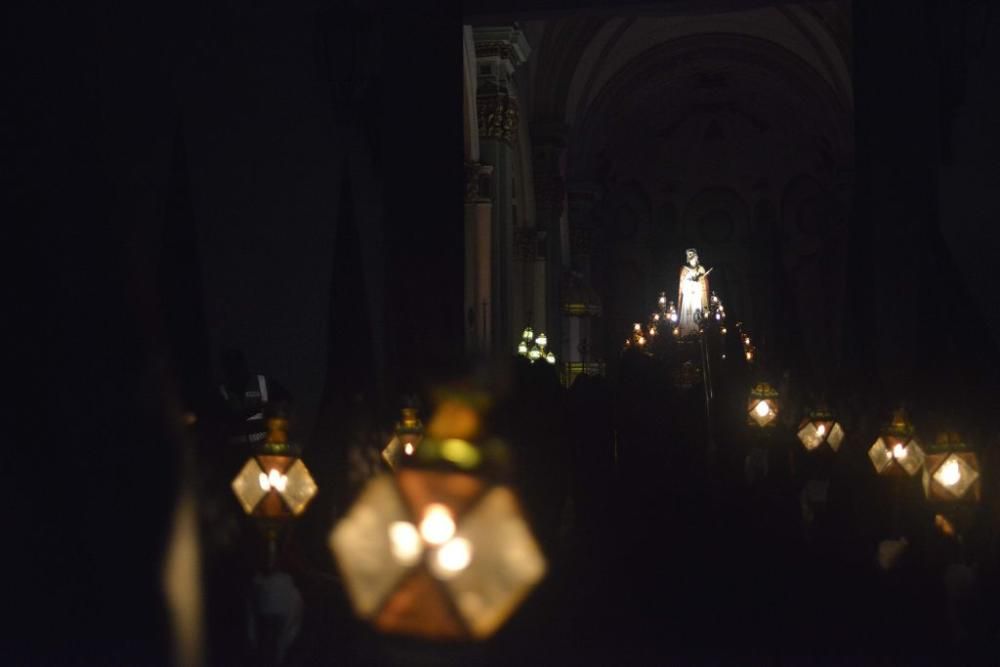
x: 505, y: 43
x: 498, y: 117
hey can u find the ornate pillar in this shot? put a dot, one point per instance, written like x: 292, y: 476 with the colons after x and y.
x: 499, y: 50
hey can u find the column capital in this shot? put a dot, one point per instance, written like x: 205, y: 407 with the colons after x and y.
x: 498, y: 116
x: 503, y: 46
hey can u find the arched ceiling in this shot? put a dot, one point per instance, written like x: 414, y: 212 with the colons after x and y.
x: 576, y: 58
x: 734, y: 106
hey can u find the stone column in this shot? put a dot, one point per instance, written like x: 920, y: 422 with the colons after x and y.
x: 478, y: 257
x: 549, y: 162
x: 581, y: 344
x: 499, y: 50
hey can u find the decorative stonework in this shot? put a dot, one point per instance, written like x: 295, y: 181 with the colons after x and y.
x: 477, y: 182
x: 495, y: 49
x: 498, y: 117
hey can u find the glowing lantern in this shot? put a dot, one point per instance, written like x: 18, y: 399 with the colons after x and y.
x: 951, y: 471
x: 409, y: 432
x: 441, y: 555
x: 762, y: 408
x: 275, y: 483
x: 820, y: 427
x: 896, y: 451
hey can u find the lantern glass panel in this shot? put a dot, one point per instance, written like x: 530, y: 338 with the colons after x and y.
x: 880, y: 455
x: 955, y: 475
x: 393, y: 452
x: 810, y: 436
x: 910, y: 457
x: 247, y: 486
x: 504, y: 562
x: 299, y: 488
x: 372, y: 561
x: 762, y: 411
x: 835, y: 437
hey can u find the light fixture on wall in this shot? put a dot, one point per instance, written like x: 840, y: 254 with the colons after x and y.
x: 534, y: 348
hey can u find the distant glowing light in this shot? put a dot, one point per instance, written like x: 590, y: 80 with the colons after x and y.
x: 899, y: 451
x: 541, y: 341
x: 762, y: 409
x: 652, y: 331
x: 522, y: 348
x: 535, y: 354
x: 677, y: 332
x: 642, y: 340
x: 637, y: 327
x: 821, y: 430
x: 656, y: 317
x: 460, y: 452
x: 273, y: 480
x: 454, y: 556
x: 950, y: 473
x: 408, y: 449
x: 405, y: 542
x: 551, y: 358
x: 437, y: 526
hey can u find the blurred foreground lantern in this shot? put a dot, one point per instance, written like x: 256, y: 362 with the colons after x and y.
x: 436, y: 554
x: 275, y: 483
x: 951, y: 471
x: 409, y: 432
x: 896, y: 450
x: 820, y: 427
x: 762, y: 408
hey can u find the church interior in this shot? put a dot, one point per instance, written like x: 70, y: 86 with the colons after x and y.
x: 501, y: 332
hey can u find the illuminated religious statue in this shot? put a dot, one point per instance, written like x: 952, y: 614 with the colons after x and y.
x: 692, y: 294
